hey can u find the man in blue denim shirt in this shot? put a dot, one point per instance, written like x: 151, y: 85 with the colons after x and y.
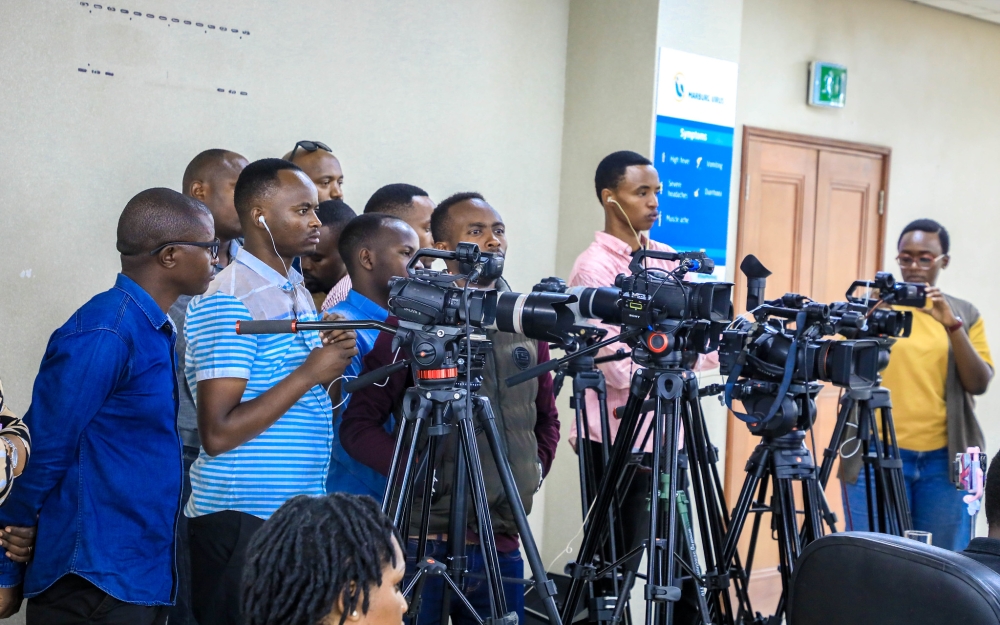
x: 104, y: 481
x: 375, y: 248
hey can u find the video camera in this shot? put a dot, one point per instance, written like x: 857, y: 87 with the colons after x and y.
x: 775, y: 362
x: 658, y: 311
x: 665, y: 320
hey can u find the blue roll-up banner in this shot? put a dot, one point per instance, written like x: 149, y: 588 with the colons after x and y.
x: 693, y: 153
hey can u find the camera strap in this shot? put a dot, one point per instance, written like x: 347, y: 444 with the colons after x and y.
x: 786, y: 380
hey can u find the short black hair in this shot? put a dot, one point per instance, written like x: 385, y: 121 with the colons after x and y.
x: 312, y: 552
x: 360, y: 232
x: 991, y: 492
x: 157, y: 216
x: 927, y: 225
x: 258, y: 180
x: 611, y: 169
x: 394, y: 199
x: 440, y: 220
x: 199, y: 165
x: 334, y: 212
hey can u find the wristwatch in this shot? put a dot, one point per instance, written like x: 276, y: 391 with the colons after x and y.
x: 956, y: 326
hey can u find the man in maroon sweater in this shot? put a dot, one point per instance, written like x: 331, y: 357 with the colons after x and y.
x: 526, y: 416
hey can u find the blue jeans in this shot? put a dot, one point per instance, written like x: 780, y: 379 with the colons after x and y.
x: 475, y: 589
x: 935, y: 504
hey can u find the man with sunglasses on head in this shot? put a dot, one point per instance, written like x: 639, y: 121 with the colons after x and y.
x: 932, y: 375
x: 316, y: 159
x: 104, y: 482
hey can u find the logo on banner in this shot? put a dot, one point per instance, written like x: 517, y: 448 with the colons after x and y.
x: 679, y: 85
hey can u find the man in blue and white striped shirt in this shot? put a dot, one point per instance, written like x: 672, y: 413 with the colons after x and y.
x: 264, y: 413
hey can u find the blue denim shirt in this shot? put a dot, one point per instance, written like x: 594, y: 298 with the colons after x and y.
x: 347, y: 475
x: 105, y: 473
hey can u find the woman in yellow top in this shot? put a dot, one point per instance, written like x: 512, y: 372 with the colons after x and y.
x: 932, y: 376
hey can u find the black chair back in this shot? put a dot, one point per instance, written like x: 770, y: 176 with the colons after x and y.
x: 861, y: 577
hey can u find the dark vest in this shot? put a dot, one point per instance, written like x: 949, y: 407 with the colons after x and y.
x: 514, y: 409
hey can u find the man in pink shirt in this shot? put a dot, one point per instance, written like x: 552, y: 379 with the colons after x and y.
x: 627, y: 186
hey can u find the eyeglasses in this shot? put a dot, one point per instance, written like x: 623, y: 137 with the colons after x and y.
x: 924, y: 262
x: 309, y: 146
x: 211, y: 246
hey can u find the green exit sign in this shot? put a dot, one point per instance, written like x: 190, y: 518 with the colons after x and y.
x: 827, y: 84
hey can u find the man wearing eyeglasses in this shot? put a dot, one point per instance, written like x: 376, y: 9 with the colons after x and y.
x: 932, y: 375
x: 104, y: 482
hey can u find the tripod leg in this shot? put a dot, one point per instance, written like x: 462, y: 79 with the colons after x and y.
x: 457, y: 524
x: 756, y: 468
x: 847, y: 405
x: 620, y: 453
x: 894, y: 460
x: 543, y: 585
x: 487, y: 541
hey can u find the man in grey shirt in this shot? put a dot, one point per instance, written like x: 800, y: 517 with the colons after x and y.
x: 211, y: 178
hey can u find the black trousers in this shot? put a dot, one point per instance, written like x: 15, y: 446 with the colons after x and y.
x: 218, y: 552
x: 181, y: 614
x: 73, y: 599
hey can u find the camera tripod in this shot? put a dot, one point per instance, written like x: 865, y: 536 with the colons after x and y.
x: 888, y: 505
x: 592, y: 457
x: 776, y: 464
x: 676, y: 396
x: 437, y: 409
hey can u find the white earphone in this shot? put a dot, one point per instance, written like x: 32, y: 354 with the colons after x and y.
x: 638, y: 239
x: 263, y: 222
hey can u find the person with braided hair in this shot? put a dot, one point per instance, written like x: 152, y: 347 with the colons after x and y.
x: 329, y: 560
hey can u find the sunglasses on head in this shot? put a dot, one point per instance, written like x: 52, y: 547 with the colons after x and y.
x: 309, y: 146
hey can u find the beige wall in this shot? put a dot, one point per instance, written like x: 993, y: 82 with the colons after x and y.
x: 610, y: 96
x: 451, y: 96
x: 922, y: 81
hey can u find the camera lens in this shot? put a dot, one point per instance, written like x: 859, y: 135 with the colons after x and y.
x: 538, y: 315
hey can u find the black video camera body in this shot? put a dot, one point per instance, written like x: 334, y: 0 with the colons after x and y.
x: 783, y: 352
x: 434, y: 312
x: 661, y: 314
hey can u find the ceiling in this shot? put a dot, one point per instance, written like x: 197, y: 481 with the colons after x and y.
x: 988, y: 10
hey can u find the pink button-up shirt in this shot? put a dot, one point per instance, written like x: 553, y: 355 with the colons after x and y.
x: 337, y: 294
x: 598, y: 265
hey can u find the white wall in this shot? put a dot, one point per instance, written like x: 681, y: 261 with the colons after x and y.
x: 922, y: 81
x: 451, y: 96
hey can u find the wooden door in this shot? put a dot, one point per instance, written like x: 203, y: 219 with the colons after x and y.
x: 812, y: 211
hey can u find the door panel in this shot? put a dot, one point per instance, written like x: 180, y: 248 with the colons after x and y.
x: 810, y: 212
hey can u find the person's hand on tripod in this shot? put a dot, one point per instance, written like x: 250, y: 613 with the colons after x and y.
x: 328, y: 363
x: 225, y: 421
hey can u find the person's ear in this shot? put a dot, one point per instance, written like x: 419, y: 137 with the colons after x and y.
x: 198, y: 190
x: 606, y: 198
x: 257, y: 217
x: 440, y: 245
x: 366, y: 258
x: 945, y: 261
x: 168, y: 256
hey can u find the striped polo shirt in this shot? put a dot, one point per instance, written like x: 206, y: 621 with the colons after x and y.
x: 292, y: 456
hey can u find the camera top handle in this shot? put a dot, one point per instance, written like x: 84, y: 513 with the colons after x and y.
x: 697, y: 262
